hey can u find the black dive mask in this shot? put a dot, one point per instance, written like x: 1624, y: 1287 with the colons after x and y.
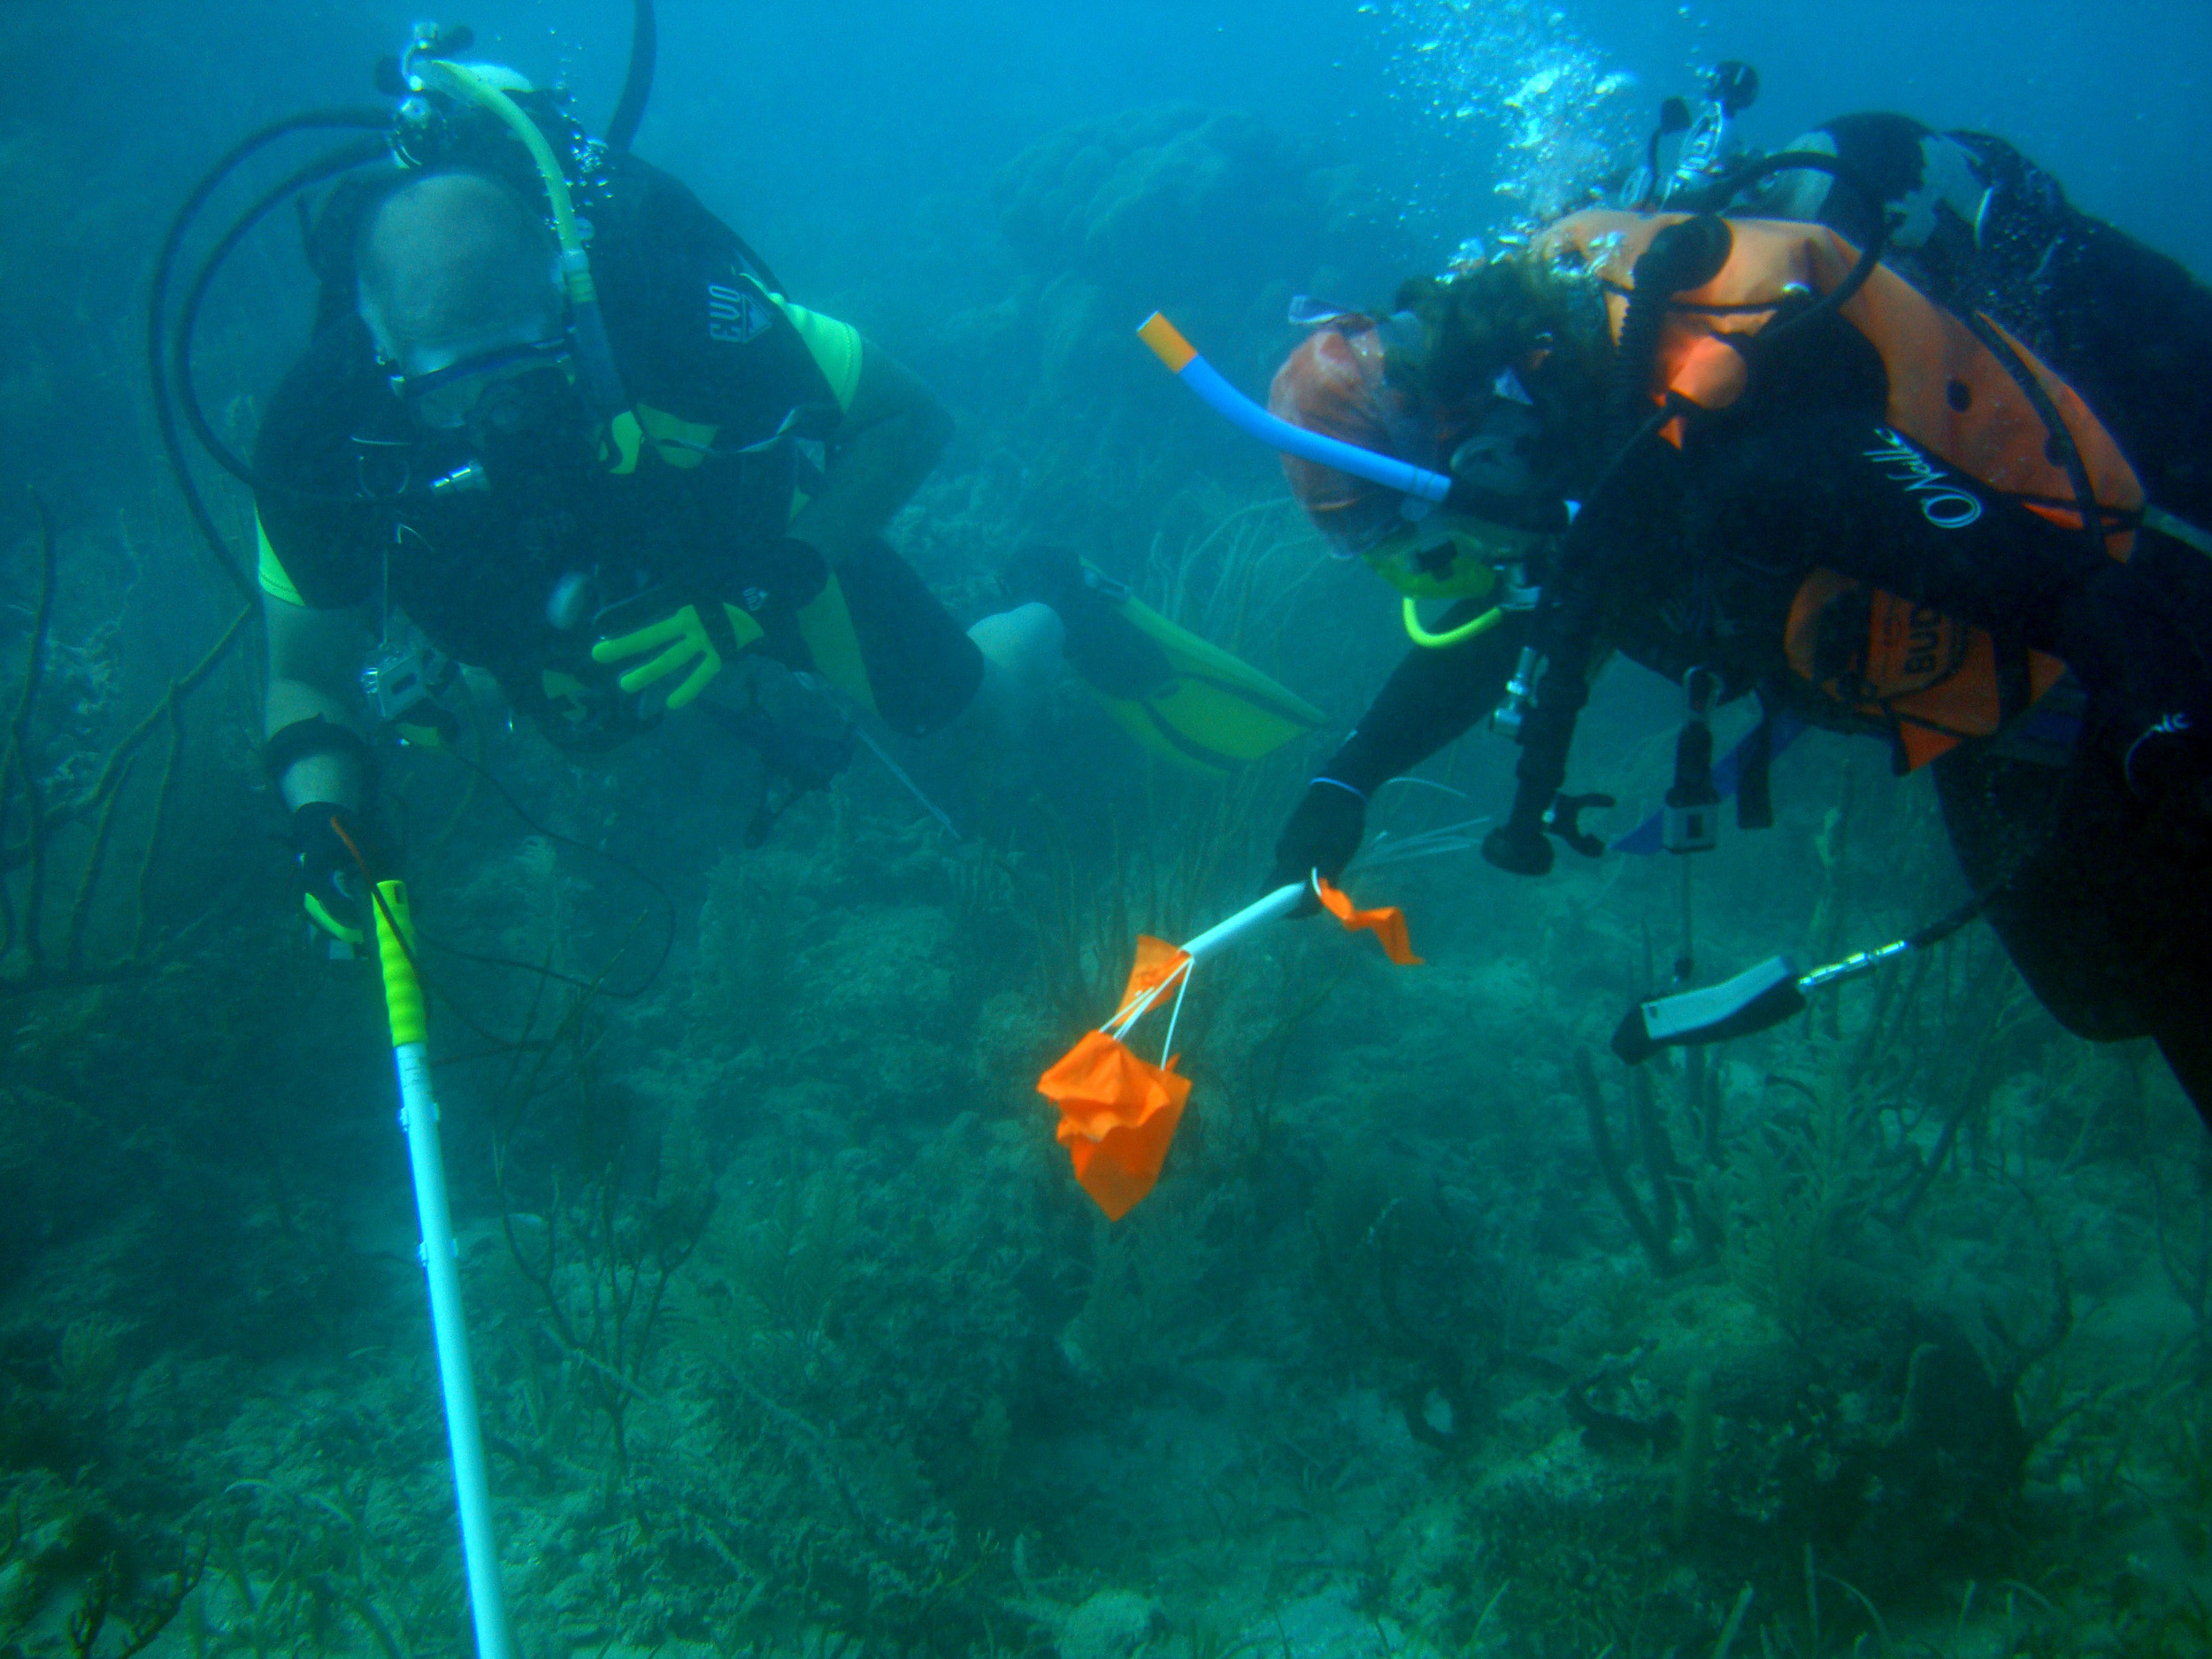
x: 441, y: 398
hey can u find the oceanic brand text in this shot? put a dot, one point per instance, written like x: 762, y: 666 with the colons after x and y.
x: 1942, y: 502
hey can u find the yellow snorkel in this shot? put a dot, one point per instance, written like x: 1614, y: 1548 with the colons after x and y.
x: 490, y: 87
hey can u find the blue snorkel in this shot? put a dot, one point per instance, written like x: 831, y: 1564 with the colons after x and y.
x: 1422, y: 488
x: 1417, y: 483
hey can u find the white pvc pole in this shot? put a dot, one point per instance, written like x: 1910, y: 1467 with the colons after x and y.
x: 419, y: 1118
x: 1280, y: 902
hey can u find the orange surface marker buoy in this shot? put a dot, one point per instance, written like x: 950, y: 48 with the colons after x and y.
x: 1119, y: 1113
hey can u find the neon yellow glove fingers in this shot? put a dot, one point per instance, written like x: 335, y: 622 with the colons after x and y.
x: 688, y: 645
x: 683, y: 623
x: 709, y: 665
x: 667, y: 663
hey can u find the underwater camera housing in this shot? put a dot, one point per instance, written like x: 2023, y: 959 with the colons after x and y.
x: 405, y: 673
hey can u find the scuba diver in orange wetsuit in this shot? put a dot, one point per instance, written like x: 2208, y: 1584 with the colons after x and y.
x: 1927, y: 459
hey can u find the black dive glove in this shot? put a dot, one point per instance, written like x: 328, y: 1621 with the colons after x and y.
x: 1322, y: 834
x: 332, y: 891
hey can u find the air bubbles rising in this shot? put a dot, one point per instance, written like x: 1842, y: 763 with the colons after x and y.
x: 1562, y: 120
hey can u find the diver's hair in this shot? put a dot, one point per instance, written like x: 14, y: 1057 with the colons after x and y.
x: 1520, y: 312
x: 451, y: 253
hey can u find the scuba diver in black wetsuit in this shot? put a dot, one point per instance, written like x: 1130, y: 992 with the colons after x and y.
x: 557, y: 422
x: 1748, y: 454
x: 592, y: 520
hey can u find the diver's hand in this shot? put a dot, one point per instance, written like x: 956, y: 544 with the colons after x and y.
x: 696, y: 641
x: 332, y: 889
x: 1323, y: 833
x: 702, y: 631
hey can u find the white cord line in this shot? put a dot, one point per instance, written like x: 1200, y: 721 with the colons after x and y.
x: 1450, y: 838
x: 912, y: 788
x: 1426, y: 783
x: 1142, y: 1004
x: 1280, y: 902
x: 1167, y: 1048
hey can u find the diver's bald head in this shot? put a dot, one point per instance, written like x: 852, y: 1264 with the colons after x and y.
x: 451, y: 263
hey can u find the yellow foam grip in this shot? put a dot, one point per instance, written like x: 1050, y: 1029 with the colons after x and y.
x: 402, y: 992
x: 1167, y: 342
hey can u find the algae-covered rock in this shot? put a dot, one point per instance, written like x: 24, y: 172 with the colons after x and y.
x: 1718, y: 1451
x: 1112, y: 1625
x: 1330, y: 1626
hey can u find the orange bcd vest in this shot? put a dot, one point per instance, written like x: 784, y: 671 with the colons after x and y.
x: 1931, y: 681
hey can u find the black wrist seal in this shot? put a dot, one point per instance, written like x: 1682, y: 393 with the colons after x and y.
x: 302, y: 740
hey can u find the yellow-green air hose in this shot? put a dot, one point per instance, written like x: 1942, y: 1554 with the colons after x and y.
x: 594, y: 358
x: 1421, y: 636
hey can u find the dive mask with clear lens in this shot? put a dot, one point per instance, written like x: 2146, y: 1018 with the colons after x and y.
x: 444, y: 398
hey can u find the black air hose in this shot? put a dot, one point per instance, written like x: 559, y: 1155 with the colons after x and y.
x: 157, y: 306
x: 345, y: 158
x: 637, y: 84
x: 1840, y: 295
x: 1683, y: 255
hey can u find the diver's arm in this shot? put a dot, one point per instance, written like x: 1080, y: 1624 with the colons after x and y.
x: 311, y: 658
x: 891, y: 436
x: 1430, y: 700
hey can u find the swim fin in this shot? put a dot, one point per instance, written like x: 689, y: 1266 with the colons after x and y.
x: 1181, y: 696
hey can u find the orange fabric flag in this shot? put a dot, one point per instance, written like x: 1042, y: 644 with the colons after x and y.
x: 1118, y: 1115
x: 1156, y: 965
x: 1389, y: 925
